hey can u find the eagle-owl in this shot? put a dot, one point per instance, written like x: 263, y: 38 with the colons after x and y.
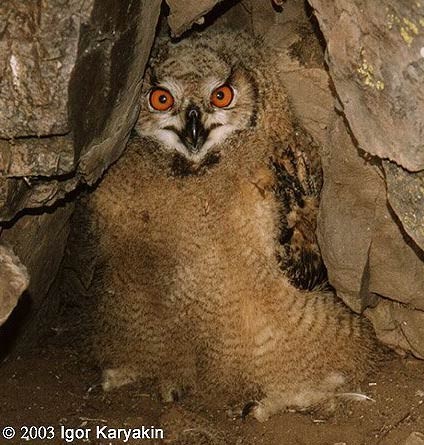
x: 203, y: 234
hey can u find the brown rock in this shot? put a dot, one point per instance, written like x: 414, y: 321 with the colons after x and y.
x: 52, y: 156
x: 395, y: 263
x: 347, y: 222
x: 17, y: 194
x: 399, y: 326
x: 38, y: 48
x: 371, y: 216
x: 84, y: 57
x: 405, y: 191
x: 103, y: 102
x: 184, y: 13
x: 375, y: 61
x: 14, y: 280
x: 72, y: 74
x: 366, y: 251
x: 39, y: 241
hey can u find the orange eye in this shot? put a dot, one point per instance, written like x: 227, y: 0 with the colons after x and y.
x: 161, y: 99
x: 222, y: 96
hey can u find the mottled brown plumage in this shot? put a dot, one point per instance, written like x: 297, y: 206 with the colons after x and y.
x: 189, y: 289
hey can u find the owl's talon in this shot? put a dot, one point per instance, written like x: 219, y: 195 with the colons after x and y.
x: 257, y: 409
x: 248, y: 408
x: 171, y: 393
x: 176, y: 395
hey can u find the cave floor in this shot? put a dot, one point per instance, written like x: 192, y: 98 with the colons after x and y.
x: 51, y: 385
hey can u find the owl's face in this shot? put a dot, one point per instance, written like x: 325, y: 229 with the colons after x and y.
x: 195, y: 101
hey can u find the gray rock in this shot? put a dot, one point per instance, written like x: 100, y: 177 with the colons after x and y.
x: 405, y: 191
x: 14, y: 279
x: 184, y: 13
x: 374, y: 58
x: 68, y: 97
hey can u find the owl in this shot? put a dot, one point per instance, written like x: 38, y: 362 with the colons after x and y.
x: 207, y: 270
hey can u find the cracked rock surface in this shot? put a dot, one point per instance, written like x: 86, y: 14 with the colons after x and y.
x: 71, y: 77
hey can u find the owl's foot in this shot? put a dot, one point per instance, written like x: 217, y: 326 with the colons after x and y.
x: 256, y: 409
x: 171, y: 392
x: 323, y: 404
x: 116, y: 377
x: 263, y: 409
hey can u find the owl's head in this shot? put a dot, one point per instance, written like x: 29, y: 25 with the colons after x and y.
x: 197, y: 96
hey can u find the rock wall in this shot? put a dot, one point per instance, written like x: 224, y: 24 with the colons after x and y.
x: 71, y: 77
x: 372, y: 221
x: 13, y: 281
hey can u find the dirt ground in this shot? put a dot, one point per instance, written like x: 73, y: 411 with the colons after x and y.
x: 52, y: 386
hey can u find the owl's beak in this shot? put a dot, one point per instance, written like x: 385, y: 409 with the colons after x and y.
x: 194, y: 132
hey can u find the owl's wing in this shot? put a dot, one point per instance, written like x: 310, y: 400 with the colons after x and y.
x: 297, y: 167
